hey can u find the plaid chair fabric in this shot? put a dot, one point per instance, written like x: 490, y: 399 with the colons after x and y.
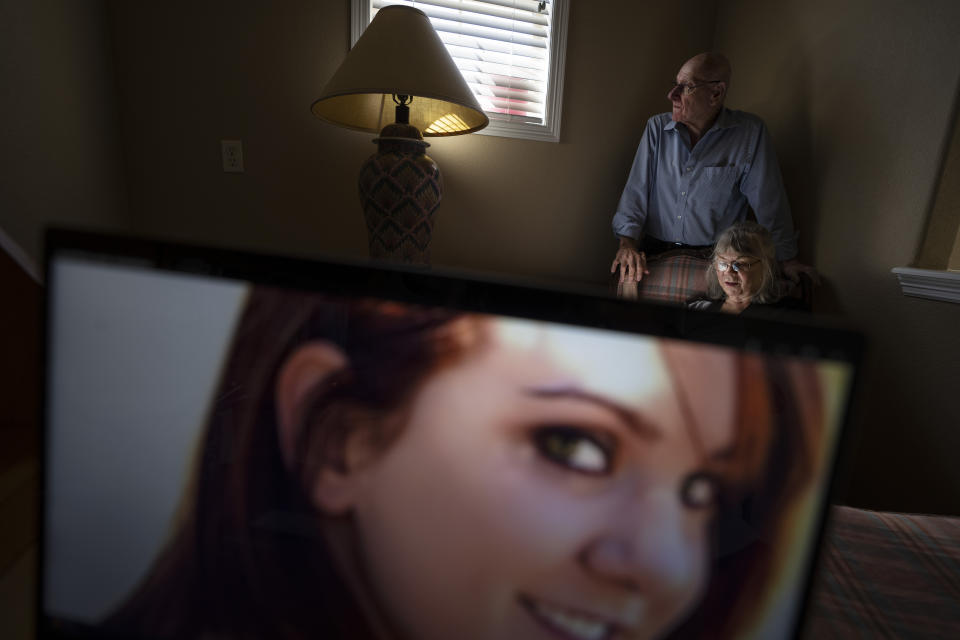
x: 674, y: 278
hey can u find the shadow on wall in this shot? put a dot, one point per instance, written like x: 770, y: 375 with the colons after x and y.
x: 794, y: 139
x: 803, y: 175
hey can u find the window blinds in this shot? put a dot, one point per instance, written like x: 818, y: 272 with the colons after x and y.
x: 500, y: 46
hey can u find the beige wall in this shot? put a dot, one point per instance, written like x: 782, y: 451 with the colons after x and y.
x: 193, y: 73
x: 60, y: 156
x: 859, y: 96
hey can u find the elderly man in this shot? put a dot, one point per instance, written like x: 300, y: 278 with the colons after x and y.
x: 697, y: 171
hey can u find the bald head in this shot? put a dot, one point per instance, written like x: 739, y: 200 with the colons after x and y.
x: 710, y: 66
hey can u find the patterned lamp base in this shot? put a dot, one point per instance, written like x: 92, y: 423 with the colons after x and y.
x: 400, y: 189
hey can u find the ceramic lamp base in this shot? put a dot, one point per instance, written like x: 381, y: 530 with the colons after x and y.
x: 400, y: 190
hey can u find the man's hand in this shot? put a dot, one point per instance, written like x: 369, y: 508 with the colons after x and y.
x: 632, y: 263
x: 793, y: 268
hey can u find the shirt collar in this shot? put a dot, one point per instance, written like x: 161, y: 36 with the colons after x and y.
x: 725, y: 120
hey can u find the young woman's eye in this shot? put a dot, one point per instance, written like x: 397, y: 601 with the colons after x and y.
x: 574, y: 448
x: 700, y: 490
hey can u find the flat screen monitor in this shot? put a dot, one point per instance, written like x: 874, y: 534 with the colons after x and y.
x: 239, y: 445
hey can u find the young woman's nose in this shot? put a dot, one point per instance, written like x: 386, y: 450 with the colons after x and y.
x: 647, y: 546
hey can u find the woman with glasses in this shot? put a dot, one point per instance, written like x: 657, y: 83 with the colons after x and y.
x: 742, y: 276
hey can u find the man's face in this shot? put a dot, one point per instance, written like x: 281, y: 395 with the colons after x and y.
x: 698, y: 107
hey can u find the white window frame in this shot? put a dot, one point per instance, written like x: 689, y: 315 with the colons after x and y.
x: 549, y: 131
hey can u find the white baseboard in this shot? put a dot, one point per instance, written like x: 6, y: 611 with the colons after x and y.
x: 929, y: 283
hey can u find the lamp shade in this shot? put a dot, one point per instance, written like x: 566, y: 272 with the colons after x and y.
x: 400, y: 54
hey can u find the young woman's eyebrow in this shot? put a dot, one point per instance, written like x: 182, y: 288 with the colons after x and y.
x: 639, y: 426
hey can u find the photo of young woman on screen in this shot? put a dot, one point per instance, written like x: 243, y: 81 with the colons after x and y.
x: 372, y: 469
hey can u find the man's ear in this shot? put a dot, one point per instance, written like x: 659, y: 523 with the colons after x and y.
x: 304, y: 370
x: 719, y: 93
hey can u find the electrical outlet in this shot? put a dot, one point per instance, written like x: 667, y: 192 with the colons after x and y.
x: 232, y: 151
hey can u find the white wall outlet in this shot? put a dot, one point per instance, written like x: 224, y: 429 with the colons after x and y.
x: 232, y: 151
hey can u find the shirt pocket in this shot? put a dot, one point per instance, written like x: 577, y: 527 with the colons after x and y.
x: 719, y: 187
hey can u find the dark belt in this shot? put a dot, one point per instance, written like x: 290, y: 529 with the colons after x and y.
x: 652, y: 246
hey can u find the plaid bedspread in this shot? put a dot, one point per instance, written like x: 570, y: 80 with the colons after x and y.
x: 887, y: 575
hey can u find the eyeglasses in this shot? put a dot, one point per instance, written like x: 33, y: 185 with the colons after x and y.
x: 736, y: 265
x: 690, y: 88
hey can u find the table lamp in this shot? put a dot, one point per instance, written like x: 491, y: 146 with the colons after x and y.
x: 399, y: 80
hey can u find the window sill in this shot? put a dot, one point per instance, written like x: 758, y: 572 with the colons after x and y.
x: 929, y: 283
x: 521, y: 130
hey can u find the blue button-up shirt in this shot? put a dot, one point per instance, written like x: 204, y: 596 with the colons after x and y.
x: 676, y: 194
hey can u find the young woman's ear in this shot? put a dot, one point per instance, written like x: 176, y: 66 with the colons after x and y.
x: 308, y: 367
x: 335, y: 486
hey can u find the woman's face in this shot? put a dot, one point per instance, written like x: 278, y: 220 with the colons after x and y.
x: 742, y: 284
x: 538, y: 490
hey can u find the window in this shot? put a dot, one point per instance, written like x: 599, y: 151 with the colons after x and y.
x: 510, y: 52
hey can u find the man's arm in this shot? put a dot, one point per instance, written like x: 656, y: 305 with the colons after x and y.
x: 633, y: 206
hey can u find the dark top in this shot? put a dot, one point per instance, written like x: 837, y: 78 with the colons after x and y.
x: 785, y: 306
